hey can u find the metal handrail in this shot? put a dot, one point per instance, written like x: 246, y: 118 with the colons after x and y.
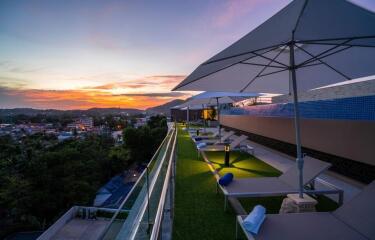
x: 336, y: 189
x: 159, y: 213
x: 152, y: 185
x: 133, y: 188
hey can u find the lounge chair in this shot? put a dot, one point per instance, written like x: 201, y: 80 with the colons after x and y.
x: 353, y: 220
x: 194, y: 130
x: 214, y: 135
x: 234, y: 145
x: 214, y: 141
x: 278, y: 186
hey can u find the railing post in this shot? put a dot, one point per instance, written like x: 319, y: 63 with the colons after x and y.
x: 148, y: 201
x: 167, y: 186
x: 171, y: 184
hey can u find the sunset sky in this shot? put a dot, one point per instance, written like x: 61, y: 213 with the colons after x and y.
x: 130, y: 54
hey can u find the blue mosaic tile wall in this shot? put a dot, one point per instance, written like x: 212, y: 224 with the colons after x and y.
x: 354, y: 108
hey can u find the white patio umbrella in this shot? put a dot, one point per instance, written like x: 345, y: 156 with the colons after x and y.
x: 187, y: 108
x: 218, y: 98
x: 312, y: 42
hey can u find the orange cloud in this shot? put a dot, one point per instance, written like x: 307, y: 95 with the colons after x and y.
x: 163, y: 82
x: 77, y: 99
x: 82, y: 98
x: 138, y: 93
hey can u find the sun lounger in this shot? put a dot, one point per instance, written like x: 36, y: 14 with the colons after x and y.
x: 249, y: 149
x: 194, y: 130
x: 234, y: 145
x: 214, y: 135
x: 353, y: 220
x: 275, y: 186
x: 278, y: 186
x: 211, y: 141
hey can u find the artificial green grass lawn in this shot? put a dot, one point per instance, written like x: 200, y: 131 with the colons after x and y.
x: 242, y: 165
x: 199, y: 212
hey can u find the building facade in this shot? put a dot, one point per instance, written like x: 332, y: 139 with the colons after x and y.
x: 337, y: 125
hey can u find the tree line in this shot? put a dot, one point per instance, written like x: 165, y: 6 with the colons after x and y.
x: 41, y: 178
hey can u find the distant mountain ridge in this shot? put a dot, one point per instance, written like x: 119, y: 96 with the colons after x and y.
x: 91, y: 111
x: 164, y: 108
x: 161, y: 109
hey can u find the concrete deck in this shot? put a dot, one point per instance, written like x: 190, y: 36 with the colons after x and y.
x: 80, y: 229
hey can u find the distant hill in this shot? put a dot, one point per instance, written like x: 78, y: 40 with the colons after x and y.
x: 165, y: 108
x: 91, y: 111
x: 161, y: 109
x: 28, y: 111
x: 106, y: 111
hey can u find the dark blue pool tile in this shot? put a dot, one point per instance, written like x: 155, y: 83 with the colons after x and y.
x: 354, y: 108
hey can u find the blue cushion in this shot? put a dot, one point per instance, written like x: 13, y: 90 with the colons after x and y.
x: 201, y: 145
x: 255, y: 219
x: 226, y: 179
x: 198, y: 139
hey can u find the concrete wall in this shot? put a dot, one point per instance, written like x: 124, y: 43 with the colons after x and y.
x: 354, y: 140
x: 52, y: 230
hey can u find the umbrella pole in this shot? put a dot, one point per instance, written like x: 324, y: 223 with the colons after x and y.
x: 296, y: 120
x: 204, y: 120
x: 218, y: 117
x: 187, y: 118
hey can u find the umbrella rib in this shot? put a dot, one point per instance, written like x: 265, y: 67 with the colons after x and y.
x: 326, y: 64
x: 333, y: 39
x: 241, y: 54
x: 262, y: 65
x: 269, y: 50
x: 230, y: 65
x: 272, y: 60
x: 264, y: 68
x: 346, y: 45
x: 278, y: 71
x: 300, y: 15
x: 322, y: 53
x: 321, y: 57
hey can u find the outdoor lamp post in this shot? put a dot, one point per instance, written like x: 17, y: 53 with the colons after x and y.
x: 227, y: 151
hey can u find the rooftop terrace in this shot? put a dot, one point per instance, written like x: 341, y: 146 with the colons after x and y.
x: 177, y: 196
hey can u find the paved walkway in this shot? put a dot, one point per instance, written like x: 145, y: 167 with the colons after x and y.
x: 282, y: 162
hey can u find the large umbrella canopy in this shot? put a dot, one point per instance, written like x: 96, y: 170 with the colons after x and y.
x: 312, y: 42
x: 333, y: 41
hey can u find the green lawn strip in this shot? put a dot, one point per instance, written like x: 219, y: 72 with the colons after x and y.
x: 198, y: 209
x: 242, y: 165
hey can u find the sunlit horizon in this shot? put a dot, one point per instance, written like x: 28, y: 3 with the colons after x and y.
x: 80, y: 55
